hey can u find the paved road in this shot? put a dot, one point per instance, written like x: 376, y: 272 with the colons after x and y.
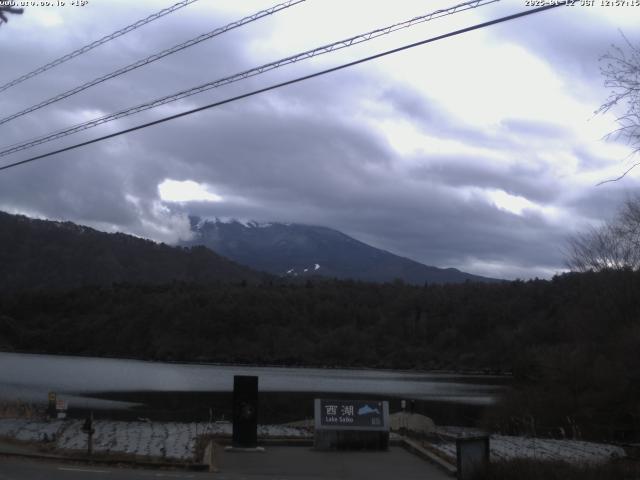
x: 277, y: 463
x: 300, y: 463
x: 22, y: 469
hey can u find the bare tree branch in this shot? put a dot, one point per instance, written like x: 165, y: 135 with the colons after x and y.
x: 5, y: 10
x: 620, y: 68
x: 620, y: 177
x: 615, y: 245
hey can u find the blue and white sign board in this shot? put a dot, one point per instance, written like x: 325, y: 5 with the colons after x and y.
x: 363, y: 415
x: 351, y: 424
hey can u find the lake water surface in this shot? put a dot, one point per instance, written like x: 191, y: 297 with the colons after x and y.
x: 155, y: 388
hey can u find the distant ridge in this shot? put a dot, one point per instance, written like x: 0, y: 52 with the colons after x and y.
x: 43, y: 254
x: 297, y: 250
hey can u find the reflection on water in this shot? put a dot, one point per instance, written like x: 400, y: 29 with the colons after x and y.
x: 114, y: 383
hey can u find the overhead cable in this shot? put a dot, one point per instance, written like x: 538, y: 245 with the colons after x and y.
x: 154, y: 57
x: 97, y: 43
x: 288, y: 82
x: 245, y: 74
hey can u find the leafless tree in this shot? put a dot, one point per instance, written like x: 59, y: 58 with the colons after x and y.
x: 621, y: 70
x: 620, y: 67
x: 5, y: 10
x: 614, y: 245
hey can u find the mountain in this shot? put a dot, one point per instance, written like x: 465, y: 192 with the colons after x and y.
x: 303, y: 250
x: 42, y: 254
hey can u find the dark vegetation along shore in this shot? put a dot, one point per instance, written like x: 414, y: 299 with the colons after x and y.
x: 571, y: 342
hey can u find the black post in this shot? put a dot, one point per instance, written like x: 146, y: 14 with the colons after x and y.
x: 245, y: 411
x: 51, y: 410
x: 89, y: 430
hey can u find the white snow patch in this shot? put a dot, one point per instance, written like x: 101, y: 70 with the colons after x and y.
x: 316, y: 266
x: 254, y: 224
x: 576, y: 451
x: 244, y: 222
x: 228, y: 220
x: 505, y: 447
x: 168, y: 440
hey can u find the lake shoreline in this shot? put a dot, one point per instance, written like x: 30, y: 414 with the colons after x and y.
x: 189, y: 391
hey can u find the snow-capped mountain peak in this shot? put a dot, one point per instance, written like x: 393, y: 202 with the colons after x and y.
x: 296, y: 250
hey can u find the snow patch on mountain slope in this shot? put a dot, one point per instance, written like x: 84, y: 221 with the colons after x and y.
x: 230, y: 220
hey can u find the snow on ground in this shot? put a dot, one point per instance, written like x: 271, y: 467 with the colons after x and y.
x: 573, y: 451
x: 177, y: 441
x: 28, y: 430
x: 170, y: 440
x: 506, y: 447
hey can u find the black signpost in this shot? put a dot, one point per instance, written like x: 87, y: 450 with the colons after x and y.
x: 245, y: 411
x: 89, y: 430
x: 51, y: 409
x: 358, y: 424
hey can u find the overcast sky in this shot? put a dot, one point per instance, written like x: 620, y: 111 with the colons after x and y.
x: 479, y: 152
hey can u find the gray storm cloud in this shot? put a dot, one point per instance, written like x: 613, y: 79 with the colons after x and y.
x: 316, y: 152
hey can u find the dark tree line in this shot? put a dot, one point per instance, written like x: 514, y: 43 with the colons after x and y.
x: 46, y: 255
x: 571, y: 342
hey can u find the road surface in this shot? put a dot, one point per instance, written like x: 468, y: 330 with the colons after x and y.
x: 23, y: 469
x: 277, y: 463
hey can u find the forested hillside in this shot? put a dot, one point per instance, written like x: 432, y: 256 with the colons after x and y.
x: 41, y: 254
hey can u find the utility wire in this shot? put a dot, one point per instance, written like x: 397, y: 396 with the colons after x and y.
x: 97, y: 43
x: 246, y: 74
x: 154, y: 57
x: 290, y: 82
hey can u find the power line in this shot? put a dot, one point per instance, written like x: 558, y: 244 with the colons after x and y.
x: 97, y: 43
x: 246, y: 74
x: 154, y: 57
x: 290, y: 82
